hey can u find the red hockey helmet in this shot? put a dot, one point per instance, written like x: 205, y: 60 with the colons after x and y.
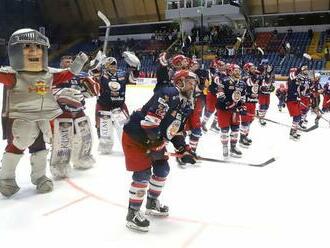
x: 182, y: 77
x: 233, y: 69
x: 248, y: 66
x: 180, y: 61
x: 217, y: 64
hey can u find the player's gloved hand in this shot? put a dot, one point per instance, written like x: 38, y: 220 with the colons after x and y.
x: 298, y: 98
x: 230, y: 105
x: 91, y: 87
x: 264, y: 88
x: 272, y: 88
x: 158, y: 152
x: 187, y: 155
x: 242, y: 110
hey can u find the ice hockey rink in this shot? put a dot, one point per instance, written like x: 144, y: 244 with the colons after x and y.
x: 285, y: 204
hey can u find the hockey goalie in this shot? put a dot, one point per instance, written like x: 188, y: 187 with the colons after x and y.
x: 72, y: 142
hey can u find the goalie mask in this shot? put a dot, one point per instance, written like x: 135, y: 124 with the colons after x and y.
x: 110, y: 65
x: 27, y: 50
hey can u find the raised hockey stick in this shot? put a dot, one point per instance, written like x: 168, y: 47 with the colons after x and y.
x: 263, y: 164
x: 107, y: 32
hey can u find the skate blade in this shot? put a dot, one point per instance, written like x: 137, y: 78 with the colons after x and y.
x: 154, y: 213
x: 214, y: 130
x: 244, y: 146
x: 294, y: 139
x: 134, y: 227
x: 182, y: 166
x: 235, y: 155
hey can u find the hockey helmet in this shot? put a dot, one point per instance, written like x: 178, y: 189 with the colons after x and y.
x: 180, y: 62
x: 234, y: 70
x: 185, y: 81
x: 110, y: 64
x: 28, y: 50
x: 249, y: 67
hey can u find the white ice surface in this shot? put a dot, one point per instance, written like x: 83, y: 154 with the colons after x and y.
x: 284, y: 204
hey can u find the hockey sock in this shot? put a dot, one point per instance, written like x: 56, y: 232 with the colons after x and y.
x: 156, y: 185
x: 136, y: 194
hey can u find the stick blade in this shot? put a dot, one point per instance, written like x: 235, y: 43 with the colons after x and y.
x: 103, y: 18
x: 307, y: 56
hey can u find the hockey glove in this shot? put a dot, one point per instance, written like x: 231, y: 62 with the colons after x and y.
x: 187, y: 155
x: 271, y: 88
x: 242, y: 110
x: 158, y: 152
x: 230, y: 105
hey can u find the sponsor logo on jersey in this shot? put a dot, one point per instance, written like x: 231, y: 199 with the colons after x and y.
x: 40, y: 87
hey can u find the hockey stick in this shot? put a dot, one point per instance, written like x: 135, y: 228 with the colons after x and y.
x: 107, y: 32
x: 311, y: 128
x: 263, y: 164
x: 318, y: 114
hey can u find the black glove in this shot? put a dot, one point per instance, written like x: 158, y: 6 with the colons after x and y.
x: 242, y: 110
x: 158, y: 152
x: 230, y: 105
x: 187, y: 155
x: 272, y: 88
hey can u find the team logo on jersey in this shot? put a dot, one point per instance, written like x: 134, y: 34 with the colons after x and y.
x: 114, y: 86
x: 173, y: 129
x: 236, y: 96
x: 40, y: 87
x: 255, y: 88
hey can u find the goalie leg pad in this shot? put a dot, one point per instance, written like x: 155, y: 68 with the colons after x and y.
x: 62, y: 148
x: 106, y: 133
x: 83, y: 143
x: 119, y: 118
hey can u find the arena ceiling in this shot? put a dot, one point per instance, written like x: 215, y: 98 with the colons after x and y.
x: 75, y: 12
x: 259, y: 7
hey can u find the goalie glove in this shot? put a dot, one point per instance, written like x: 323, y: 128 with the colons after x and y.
x: 131, y: 60
x: 70, y: 97
x: 79, y: 62
x: 90, y: 87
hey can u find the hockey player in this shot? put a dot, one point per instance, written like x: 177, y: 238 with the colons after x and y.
x: 281, y: 95
x: 193, y: 125
x: 251, y: 99
x: 145, y: 136
x: 230, y: 104
x: 266, y: 84
x: 111, y: 110
x: 72, y: 130
x: 31, y: 106
x: 296, y: 78
x: 326, y: 97
x: 304, y: 92
x: 316, y: 89
x: 217, y: 73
